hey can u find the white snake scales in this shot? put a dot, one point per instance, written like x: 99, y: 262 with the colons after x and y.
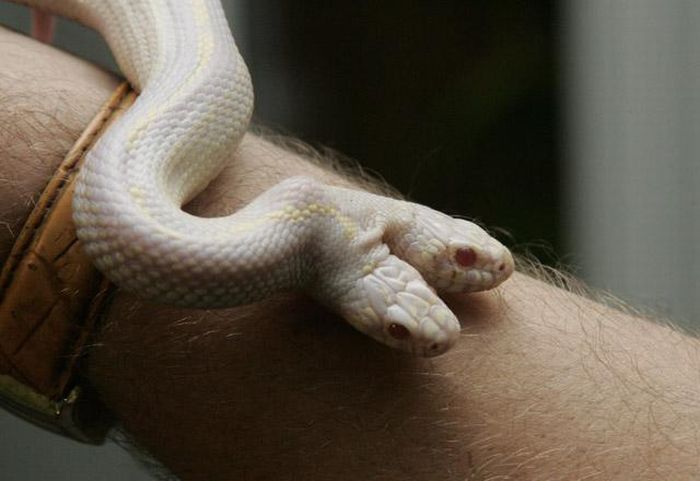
x: 367, y: 257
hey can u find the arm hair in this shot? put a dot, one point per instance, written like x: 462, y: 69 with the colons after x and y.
x: 550, y: 381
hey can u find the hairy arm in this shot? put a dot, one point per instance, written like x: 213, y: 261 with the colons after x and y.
x: 544, y: 383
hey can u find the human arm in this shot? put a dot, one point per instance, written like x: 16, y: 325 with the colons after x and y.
x: 544, y: 384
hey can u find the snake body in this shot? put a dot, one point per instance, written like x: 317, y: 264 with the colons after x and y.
x: 369, y: 258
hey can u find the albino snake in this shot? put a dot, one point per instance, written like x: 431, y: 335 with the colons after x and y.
x: 369, y: 258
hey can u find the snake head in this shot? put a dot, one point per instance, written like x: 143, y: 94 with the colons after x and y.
x: 455, y: 255
x: 393, y: 305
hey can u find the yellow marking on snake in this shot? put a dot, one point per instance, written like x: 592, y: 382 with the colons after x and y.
x: 136, y: 193
x: 368, y: 268
x: 299, y: 214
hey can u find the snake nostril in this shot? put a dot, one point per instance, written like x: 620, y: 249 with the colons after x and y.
x: 502, y: 267
x: 397, y: 331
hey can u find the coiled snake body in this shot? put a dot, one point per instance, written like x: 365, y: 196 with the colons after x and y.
x: 370, y: 258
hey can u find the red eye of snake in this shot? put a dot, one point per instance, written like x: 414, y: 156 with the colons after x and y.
x: 465, y: 257
x: 397, y: 331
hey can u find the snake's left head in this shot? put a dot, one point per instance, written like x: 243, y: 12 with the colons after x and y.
x: 393, y: 304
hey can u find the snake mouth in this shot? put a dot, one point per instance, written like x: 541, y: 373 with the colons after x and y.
x: 435, y: 349
x: 482, y: 268
x: 399, y: 336
x: 504, y: 267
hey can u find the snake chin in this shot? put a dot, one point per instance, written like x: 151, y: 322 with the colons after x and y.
x: 399, y: 336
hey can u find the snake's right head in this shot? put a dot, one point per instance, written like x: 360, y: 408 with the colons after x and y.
x: 455, y: 255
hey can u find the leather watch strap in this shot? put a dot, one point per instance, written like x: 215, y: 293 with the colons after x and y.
x: 50, y: 298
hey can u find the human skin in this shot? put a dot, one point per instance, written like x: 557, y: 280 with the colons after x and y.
x: 544, y: 384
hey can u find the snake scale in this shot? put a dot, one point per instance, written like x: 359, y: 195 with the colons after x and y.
x: 377, y: 262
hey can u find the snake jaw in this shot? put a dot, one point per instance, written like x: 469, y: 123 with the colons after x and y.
x: 479, y: 268
x: 431, y: 335
x: 425, y: 339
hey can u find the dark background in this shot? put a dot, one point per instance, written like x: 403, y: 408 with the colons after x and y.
x: 453, y: 102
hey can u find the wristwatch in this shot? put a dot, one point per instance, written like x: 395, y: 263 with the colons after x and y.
x: 51, y: 298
